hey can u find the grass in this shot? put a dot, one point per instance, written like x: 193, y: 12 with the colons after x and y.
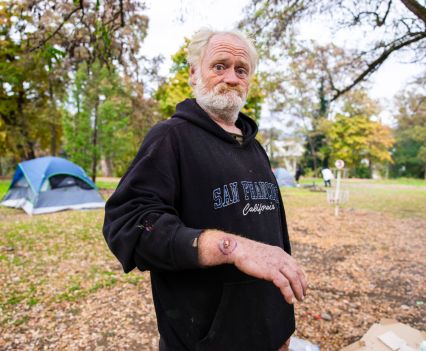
x: 4, y: 186
x: 107, y: 184
x: 53, y: 258
x: 397, y: 181
x: 399, y: 199
x: 402, y: 181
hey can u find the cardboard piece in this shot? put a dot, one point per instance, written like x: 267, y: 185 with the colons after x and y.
x: 400, y: 337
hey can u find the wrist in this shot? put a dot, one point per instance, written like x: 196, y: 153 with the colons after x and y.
x: 227, y: 246
x: 217, y: 247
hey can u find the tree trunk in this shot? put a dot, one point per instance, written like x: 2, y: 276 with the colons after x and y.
x: 27, y: 145
x: 53, y: 133
x: 370, y: 168
x: 95, y: 140
x: 312, y: 147
x: 109, y: 167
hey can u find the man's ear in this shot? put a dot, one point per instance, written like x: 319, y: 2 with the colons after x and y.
x: 192, y: 79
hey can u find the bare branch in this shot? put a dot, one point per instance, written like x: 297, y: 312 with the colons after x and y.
x: 419, y: 104
x: 66, y: 18
x: 386, y: 14
x: 372, y: 67
x: 379, y: 21
x: 416, y: 8
x: 122, y: 13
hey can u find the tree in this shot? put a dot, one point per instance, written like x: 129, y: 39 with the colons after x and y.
x: 23, y: 88
x: 176, y: 88
x: 390, y: 27
x: 301, y: 92
x: 77, y: 127
x: 410, y: 148
x: 74, y: 67
x: 354, y: 137
x: 112, y: 140
x: 105, y: 38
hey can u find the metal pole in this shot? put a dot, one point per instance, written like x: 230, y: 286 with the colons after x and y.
x: 336, y: 194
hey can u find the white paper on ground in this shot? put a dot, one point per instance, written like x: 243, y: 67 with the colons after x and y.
x: 391, y: 340
x: 406, y: 348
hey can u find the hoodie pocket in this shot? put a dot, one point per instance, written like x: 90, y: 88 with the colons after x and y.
x: 252, y: 316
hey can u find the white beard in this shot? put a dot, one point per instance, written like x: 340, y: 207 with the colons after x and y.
x: 223, y: 101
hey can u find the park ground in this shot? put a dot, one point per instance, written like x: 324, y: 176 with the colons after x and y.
x: 61, y: 288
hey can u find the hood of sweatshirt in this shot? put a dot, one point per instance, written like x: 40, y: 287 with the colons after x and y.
x: 190, y: 111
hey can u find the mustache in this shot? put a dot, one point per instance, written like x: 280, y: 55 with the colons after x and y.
x: 224, y: 88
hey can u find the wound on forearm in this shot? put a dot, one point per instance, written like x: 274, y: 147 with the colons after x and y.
x: 227, y: 245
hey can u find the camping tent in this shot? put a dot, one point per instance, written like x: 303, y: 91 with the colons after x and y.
x: 284, y: 177
x: 50, y: 184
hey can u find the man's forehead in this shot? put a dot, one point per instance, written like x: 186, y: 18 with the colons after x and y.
x: 226, y: 43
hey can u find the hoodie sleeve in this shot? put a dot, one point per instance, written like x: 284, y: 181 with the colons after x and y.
x: 142, y: 226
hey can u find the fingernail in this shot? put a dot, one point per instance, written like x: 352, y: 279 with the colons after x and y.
x: 293, y: 300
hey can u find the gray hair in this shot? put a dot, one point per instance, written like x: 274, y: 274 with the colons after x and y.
x: 202, y: 37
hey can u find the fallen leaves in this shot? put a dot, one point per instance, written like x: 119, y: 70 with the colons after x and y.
x: 365, y: 266
x: 61, y: 288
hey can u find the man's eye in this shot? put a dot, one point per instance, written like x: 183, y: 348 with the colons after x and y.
x: 242, y: 72
x: 219, y: 67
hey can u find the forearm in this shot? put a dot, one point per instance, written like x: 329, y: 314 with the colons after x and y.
x: 253, y: 258
x: 217, y: 247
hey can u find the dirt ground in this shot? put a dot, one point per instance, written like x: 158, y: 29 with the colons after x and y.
x: 362, y: 266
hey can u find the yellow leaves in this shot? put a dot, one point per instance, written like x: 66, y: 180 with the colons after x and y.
x: 353, y: 139
x: 255, y: 98
x: 380, y: 141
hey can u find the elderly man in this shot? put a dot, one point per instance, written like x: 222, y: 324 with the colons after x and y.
x: 200, y: 208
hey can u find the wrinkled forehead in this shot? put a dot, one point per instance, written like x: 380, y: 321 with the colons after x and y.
x: 223, y: 44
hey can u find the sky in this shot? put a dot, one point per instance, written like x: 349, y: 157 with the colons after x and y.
x: 170, y: 21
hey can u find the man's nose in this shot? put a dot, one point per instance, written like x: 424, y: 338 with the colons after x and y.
x: 231, y: 77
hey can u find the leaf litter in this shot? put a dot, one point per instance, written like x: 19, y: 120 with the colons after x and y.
x: 61, y: 288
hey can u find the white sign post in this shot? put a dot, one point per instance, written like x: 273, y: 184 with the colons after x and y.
x: 339, y: 165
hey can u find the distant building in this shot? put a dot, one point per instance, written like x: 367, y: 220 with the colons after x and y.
x: 285, y: 153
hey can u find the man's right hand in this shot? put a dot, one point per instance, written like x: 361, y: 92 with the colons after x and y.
x: 255, y: 259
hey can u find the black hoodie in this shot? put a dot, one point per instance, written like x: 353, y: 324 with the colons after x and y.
x: 190, y: 175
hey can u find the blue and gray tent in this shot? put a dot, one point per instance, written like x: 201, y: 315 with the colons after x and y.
x: 284, y: 177
x: 50, y: 184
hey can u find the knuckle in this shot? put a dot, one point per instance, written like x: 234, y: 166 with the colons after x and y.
x: 275, y: 277
x: 293, y: 277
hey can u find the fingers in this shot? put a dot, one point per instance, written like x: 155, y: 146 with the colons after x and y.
x: 281, y: 282
x: 274, y: 264
x: 304, y: 281
x: 291, y: 278
x: 294, y: 281
x: 290, y: 265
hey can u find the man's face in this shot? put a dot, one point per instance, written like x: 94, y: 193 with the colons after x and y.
x: 221, y: 81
